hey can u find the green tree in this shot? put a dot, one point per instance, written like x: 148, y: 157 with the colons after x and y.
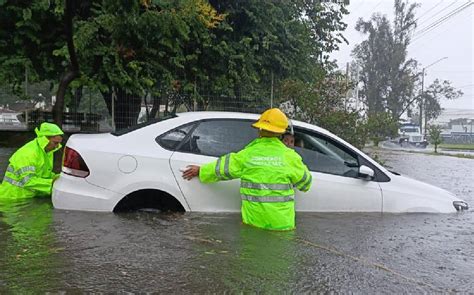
x: 129, y: 50
x: 322, y: 103
x: 387, y: 75
x: 435, y: 136
x: 380, y: 126
x: 432, y: 96
x: 32, y: 34
x: 264, y: 41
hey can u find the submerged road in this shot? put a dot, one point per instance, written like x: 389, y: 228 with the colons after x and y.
x: 42, y: 249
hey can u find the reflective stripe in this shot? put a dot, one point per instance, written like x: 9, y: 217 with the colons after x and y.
x: 22, y: 170
x: 226, y: 166
x: 307, y: 184
x: 20, y: 183
x: 26, y: 169
x: 218, y: 169
x: 268, y: 186
x: 267, y: 199
x: 303, y: 179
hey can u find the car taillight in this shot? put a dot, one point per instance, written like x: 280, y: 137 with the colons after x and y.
x: 73, y: 164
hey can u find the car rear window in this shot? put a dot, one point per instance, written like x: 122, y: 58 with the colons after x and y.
x: 141, y: 125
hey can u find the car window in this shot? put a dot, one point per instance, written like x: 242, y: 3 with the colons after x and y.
x: 322, y: 154
x: 219, y: 137
x: 171, y: 139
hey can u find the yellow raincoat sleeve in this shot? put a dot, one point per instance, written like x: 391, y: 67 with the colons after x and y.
x: 301, y: 177
x: 32, y: 179
x: 227, y: 167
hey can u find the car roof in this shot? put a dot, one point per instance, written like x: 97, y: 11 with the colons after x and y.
x: 211, y: 115
x: 237, y: 115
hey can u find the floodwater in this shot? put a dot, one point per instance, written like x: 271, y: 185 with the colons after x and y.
x: 47, y: 250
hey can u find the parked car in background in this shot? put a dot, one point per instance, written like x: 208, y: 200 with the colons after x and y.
x: 10, y: 118
x: 141, y: 168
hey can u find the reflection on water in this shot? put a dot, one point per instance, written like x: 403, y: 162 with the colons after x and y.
x: 28, y: 247
x: 42, y: 249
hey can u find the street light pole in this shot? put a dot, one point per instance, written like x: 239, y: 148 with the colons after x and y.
x: 421, y: 99
x: 422, y: 102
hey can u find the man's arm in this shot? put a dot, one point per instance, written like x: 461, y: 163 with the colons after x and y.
x: 302, y: 178
x: 226, y: 167
x: 28, y: 176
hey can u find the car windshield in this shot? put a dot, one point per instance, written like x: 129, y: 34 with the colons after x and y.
x: 410, y: 130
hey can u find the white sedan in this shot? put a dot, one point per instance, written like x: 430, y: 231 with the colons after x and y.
x: 141, y: 168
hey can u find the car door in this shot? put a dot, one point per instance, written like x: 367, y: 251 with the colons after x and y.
x: 336, y: 186
x: 208, y: 140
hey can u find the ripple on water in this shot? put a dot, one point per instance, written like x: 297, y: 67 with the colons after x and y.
x: 199, y: 253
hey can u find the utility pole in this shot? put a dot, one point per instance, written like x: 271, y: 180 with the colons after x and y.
x: 271, y: 93
x: 347, y: 86
x: 26, y: 94
x: 26, y: 80
x: 422, y: 101
x: 114, y: 95
x: 356, y: 88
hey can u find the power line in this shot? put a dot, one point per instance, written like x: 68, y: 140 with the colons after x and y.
x: 419, y: 34
x: 443, y: 18
x: 453, y: 71
x: 429, y: 10
x: 377, y: 5
x: 465, y: 86
x: 440, y: 11
x: 419, y: 45
x: 358, y: 7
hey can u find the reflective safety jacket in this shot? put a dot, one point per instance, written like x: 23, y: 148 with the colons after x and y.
x: 30, y: 172
x: 268, y: 171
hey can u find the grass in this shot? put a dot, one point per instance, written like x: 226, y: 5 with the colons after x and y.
x: 467, y: 146
x: 464, y: 156
x: 373, y: 153
x: 451, y: 155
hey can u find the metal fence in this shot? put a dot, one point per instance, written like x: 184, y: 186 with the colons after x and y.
x: 458, y: 138
x: 88, y: 110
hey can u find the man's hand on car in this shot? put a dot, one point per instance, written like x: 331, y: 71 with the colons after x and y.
x: 190, y: 172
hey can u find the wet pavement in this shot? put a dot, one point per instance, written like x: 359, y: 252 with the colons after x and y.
x: 47, y: 250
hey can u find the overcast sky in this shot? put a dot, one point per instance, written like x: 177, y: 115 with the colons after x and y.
x: 452, y: 38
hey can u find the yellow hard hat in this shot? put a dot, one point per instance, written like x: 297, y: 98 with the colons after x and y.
x: 273, y: 120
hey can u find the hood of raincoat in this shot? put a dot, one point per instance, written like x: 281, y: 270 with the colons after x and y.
x: 47, y: 129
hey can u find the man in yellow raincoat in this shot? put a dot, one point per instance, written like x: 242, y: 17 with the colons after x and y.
x: 268, y: 172
x: 30, y: 172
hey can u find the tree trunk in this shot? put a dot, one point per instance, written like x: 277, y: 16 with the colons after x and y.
x: 156, y: 107
x: 74, y: 105
x: 126, y: 108
x: 73, y: 69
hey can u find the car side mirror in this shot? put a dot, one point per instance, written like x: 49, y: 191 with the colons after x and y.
x: 366, y: 172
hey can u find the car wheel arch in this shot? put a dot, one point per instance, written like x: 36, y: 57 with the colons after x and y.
x: 149, y: 198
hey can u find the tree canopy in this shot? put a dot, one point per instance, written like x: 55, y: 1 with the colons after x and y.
x: 127, y: 49
x: 388, y: 76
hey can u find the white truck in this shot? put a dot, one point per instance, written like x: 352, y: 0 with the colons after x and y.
x: 409, y: 135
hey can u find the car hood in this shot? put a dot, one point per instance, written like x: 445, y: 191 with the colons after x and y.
x: 404, y: 194
x: 420, y: 188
